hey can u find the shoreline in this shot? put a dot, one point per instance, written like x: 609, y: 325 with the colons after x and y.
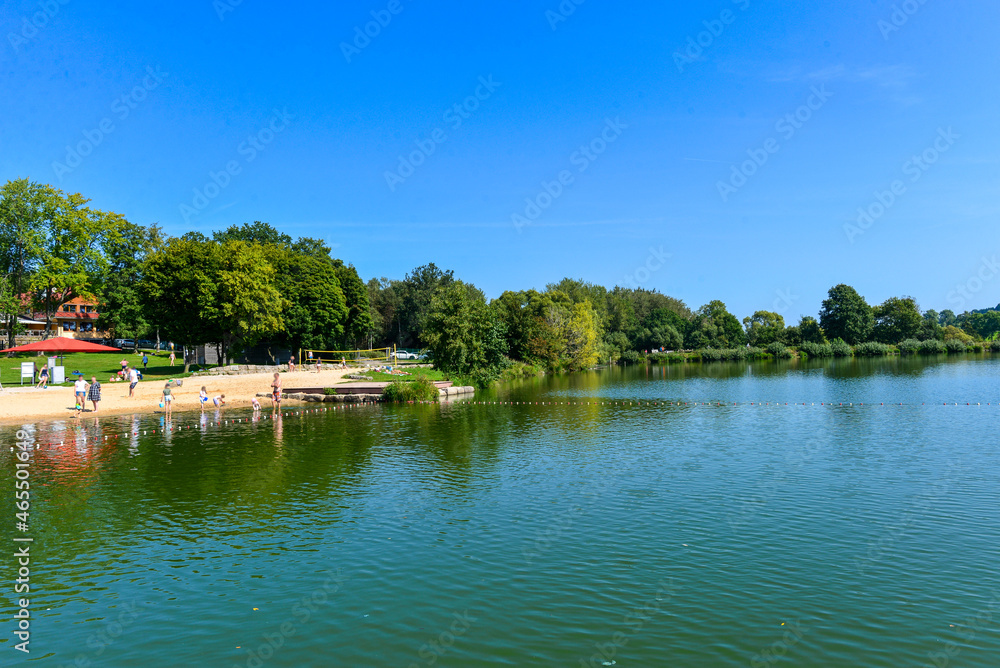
x: 22, y: 404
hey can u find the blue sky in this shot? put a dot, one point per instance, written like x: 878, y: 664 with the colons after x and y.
x: 642, y: 111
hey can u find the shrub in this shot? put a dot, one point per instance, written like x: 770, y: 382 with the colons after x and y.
x: 932, y: 347
x: 995, y: 346
x: 779, y: 351
x: 667, y: 358
x: 955, y: 346
x: 710, y: 355
x: 519, y: 370
x: 816, y: 349
x: 420, y: 389
x: 840, y: 348
x: 872, y: 349
x: 909, y: 347
x: 631, y: 357
x: 755, y: 353
x: 977, y: 347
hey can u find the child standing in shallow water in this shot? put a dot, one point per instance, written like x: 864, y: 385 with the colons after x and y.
x: 203, y: 397
x: 276, y: 391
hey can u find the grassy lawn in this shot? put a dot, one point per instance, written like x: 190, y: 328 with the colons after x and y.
x: 101, y: 365
x: 430, y: 374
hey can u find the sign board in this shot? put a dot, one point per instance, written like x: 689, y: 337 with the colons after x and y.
x: 28, y: 371
x: 58, y: 375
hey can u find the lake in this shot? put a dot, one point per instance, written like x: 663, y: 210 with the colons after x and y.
x: 603, y: 525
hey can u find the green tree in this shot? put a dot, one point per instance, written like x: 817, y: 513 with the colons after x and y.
x: 764, y: 328
x: 985, y: 325
x: 247, y: 306
x: 316, y: 312
x: 24, y: 210
x: 714, y: 326
x: 71, y: 257
x: 255, y: 232
x: 121, y: 301
x: 358, y: 324
x: 181, y: 289
x: 417, y: 291
x: 661, y: 329
x: 810, y: 330
x: 947, y: 318
x: 846, y: 315
x: 465, y: 334
x: 896, y: 319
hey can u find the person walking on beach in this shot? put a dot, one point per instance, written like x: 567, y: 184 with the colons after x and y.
x: 124, y: 364
x: 80, y: 389
x: 94, y: 393
x: 291, y: 364
x: 43, y: 377
x: 276, y: 392
x: 145, y: 361
x: 167, y: 399
x: 133, y: 380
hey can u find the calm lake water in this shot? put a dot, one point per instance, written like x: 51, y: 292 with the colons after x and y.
x: 533, y: 535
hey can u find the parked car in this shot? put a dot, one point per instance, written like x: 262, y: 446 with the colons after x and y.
x: 124, y: 343
x: 403, y: 355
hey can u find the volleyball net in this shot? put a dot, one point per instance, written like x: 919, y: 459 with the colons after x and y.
x: 335, y: 356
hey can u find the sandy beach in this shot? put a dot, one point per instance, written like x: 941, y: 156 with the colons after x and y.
x: 20, y: 404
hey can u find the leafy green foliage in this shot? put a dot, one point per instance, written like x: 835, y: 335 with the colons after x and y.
x: 933, y: 347
x: 778, y: 350
x: 764, y: 328
x: 956, y: 346
x: 872, y: 349
x: 896, y: 319
x: 840, y: 348
x: 419, y: 389
x: 358, y: 326
x: 632, y: 358
x: 465, y: 334
x: 817, y: 350
x: 846, y: 315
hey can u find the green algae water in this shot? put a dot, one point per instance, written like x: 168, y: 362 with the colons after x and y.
x: 594, y: 522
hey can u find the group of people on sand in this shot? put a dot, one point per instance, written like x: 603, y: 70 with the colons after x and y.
x: 84, y: 391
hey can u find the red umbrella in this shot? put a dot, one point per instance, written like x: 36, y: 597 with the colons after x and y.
x: 62, y: 344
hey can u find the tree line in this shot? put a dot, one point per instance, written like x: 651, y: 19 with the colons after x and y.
x: 251, y: 283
